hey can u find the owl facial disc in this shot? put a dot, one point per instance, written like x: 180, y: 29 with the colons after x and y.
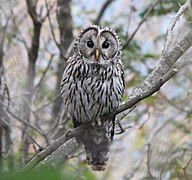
x: 98, y: 44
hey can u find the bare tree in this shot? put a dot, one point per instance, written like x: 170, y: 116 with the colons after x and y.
x: 32, y: 58
x: 5, y: 129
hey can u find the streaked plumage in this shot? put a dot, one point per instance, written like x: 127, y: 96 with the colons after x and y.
x: 92, y: 86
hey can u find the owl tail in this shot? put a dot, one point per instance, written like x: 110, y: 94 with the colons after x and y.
x: 97, y: 140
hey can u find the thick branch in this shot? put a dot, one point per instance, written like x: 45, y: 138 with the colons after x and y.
x: 51, y: 148
x: 172, y: 24
x: 59, y: 156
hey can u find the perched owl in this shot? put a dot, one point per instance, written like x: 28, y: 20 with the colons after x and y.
x: 92, y: 86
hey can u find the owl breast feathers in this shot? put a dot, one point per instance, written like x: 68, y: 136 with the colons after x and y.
x: 92, y: 86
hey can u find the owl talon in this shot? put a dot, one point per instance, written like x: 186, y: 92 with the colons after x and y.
x: 69, y: 133
x: 97, y: 123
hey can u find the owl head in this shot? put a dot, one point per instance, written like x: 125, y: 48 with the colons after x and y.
x: 98, y: 44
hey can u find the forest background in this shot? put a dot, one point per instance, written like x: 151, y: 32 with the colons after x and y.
x: 153, y: 137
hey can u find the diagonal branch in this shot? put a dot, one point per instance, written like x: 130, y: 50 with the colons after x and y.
x: 54, y: 146
x: 146, y: 15
x: 161, y: 74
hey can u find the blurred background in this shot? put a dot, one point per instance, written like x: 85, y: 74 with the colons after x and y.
x: 36, y: 39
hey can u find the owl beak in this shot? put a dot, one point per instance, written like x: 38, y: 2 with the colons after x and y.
x: 97, y: 54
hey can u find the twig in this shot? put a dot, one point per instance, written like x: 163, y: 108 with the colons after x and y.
x: 31, y: 139
x: 6, y: 89
x: 140, y: 126
x: 132, y: 9
x: 135, y: 169
x: 149, y: 151
x: 26, y: 123
x: 169, y: 36
x: 51, y: 26
x: 175, y: 105
x: 190, y: 9
x: 69, y: 50
x: 45, y: 71
x: 75, y: 155
x: 184, y: 167
x: 121, y: 129
x: 151, y: 7
x: 124, y: 114
x: 31, y: 5
x: 102, y: 11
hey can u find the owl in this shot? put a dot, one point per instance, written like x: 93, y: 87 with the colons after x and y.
x: 92, y: 87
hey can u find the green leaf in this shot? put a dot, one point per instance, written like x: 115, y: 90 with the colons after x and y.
x: 150, y: 55
x: 34, y: 175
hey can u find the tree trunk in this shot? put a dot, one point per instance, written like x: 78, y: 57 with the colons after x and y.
x: 29, y: 88
x: 66, y: 35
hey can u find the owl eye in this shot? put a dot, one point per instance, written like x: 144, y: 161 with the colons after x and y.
x: 105, y: 45
x: 90, y: 44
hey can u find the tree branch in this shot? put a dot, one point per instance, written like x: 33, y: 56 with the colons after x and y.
x: 172, y: 24
x: 59, y: 156
x: 149, y: 152
x: 146, y: 15
x: 102, y: 11
x: 161, y: 74
x: 53, y: 147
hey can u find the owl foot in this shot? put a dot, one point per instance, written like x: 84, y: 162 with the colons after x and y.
x: 68, y: 134
x: 97, y: 123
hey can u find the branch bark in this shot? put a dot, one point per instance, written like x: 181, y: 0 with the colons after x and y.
x: 54, y: 147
